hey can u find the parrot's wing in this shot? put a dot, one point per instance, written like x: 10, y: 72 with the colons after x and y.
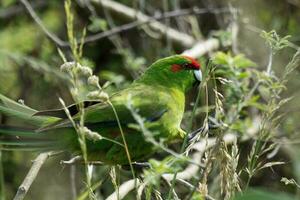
x: 60, y: 113
x: 147, y: 105
x: 102, y: 115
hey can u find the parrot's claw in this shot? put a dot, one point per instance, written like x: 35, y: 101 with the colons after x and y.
x: 193, y: 134
x: 73, y: 160
x: 211, y: 126
x: 79, y: 160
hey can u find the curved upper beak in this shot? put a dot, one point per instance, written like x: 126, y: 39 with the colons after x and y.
x: 198, y: 75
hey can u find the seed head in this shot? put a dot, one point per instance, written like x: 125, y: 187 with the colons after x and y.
x: 91, y: 135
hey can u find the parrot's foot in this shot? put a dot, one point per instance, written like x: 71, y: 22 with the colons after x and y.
x: 192, y: 135
x: 79, y: 160
x: 138, y: 166
x: 73, y: 160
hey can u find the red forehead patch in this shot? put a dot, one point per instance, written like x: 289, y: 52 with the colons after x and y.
x: 193, y: 61
x: 176, y: 68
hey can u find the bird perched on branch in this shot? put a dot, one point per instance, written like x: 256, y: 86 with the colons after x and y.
x: 158, y: 97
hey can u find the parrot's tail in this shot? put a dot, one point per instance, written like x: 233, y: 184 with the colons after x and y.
x: 14, y: 138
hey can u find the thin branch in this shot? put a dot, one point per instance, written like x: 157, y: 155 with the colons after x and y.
x: 73, y: 181
x: 2, y: 185
x: 270, y: 62
x: 234, y: 29
x: 31, y: 175
x: 124, y: 189
x: 180, y: 38
x: 190, y: 41
x: 39, y: 22
x: 11, y: 11
x: 132, y: 14
x: 203, y: 47
x: 294, y: 3
x: 141, y: 19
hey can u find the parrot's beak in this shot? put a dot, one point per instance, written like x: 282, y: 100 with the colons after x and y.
x: 198, y: 75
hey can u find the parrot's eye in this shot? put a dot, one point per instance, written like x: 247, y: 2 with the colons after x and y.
x: 186, y: 66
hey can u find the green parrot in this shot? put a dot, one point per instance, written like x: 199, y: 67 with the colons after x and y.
x: 158, y: 96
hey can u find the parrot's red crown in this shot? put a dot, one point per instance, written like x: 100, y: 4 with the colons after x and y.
x: 194, y: 63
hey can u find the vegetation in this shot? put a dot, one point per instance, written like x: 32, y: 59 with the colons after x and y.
x: 245, y: 111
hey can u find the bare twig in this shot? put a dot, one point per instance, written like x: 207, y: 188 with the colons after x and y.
x: 234, y: 29
x: 162, y: 16
x: 270, y: 62
x: 180, y: 38
x: 2, y: 186
x: 132, y: 14
x: 51, y: 35
x: 11, y: 11
x: 31, y: 175
x: 73, y: 182
x: 124, y: 189
x: 79, y: 160
x: 141, y: 19
x: 294, y: 2
x: 203, y: 47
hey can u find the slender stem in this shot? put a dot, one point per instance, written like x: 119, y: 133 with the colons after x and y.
x: 73, y: 181
x: 31, y: 175
x: 124, y: 189
x: 123, y: 138
x: 248, y: 181
x: 84, y: 151
x: 269, y: 67
x: 2, y: 185
x: 192, y: 120
x: 113, y: 141
x: 51, y: 35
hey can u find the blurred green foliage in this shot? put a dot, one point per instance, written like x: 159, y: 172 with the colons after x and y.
x: 29, y: 70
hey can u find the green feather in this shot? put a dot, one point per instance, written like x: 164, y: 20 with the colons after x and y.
x: 16, y: 110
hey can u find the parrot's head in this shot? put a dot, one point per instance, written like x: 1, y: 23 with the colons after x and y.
x: 178, y: 71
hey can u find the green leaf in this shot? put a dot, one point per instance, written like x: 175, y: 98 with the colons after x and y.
x: 239, y: 61
x: 275, y: 41
x: 197, y: 196
x: 221, y: 58
x: 97, y: 24
x: 242, y: 62
x: 253, y: 101
x: 243, y: 75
